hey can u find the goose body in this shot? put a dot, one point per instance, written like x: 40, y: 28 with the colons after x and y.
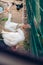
x: 15, y: 36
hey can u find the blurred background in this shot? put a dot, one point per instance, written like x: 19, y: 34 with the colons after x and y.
x: 7, y: 59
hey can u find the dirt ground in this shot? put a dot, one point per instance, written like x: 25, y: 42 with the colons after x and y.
x: 17, y: 16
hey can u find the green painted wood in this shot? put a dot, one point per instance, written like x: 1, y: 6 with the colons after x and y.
x: 32, y: 12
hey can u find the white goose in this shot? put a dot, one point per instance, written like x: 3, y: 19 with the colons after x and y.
x: 15, y: 36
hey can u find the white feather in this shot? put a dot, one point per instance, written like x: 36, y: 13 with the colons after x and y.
x: 12, y: 38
